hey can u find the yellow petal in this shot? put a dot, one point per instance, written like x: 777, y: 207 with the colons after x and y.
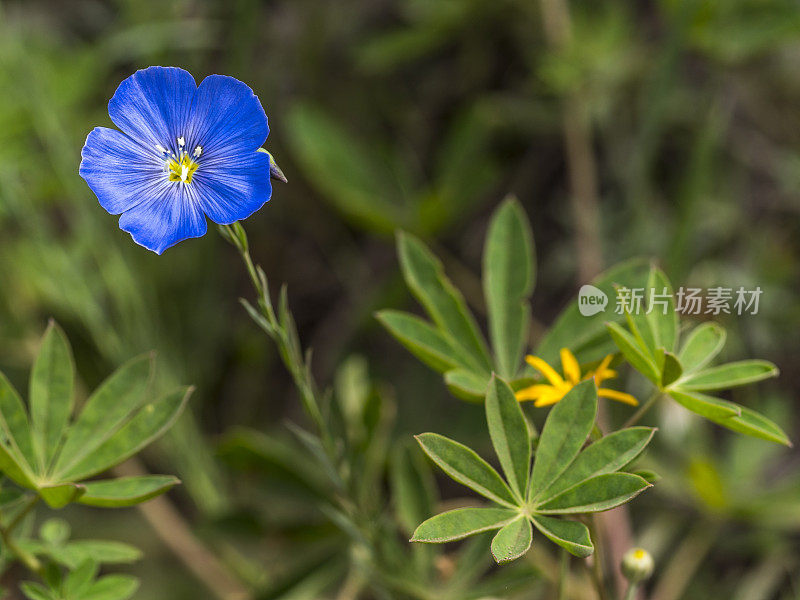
x: 546, y: 370
x: 618, y: 396
x: 602, y: 372
x: 534, y: 392
x: 549, y: 398
x: 571, y: 367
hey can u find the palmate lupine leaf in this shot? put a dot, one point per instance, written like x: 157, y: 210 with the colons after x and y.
x: 565, y: 480
x: 46, y: 454
x: 508, y: 280
x: 648, y: 346
x: 422, y: 339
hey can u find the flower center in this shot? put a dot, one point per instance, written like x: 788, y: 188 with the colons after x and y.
x: 180, y: 167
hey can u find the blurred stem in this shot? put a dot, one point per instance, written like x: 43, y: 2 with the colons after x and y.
x: 630, y: 593
x: 563, y: 576
x: 6, y: 534
x: 642, y: 410
x: 580, y: 156
x: 685, y: 561
x: 596, y: 569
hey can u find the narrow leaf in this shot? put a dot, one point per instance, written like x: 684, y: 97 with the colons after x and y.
x: 705, y: 406
x: 633, y: 353
x: 17, y: 456
x: 466, y: 467
x: 466, y: 385
x: 607, y: 455
x: 112, y: 587
x: 425, y: 277
x: 702, y: 345
x: 570, y: 535
x: 421, y: 339
x: 105, y: 411
x: 460, y: 523
x: 149, y: 423
x: 565, y: 431
x: 661, y: 315
x: 730, y: 375
x: 509, y: 432
x: 671, y: 371
x: 508, y: 279
x: 596, y: 494
x: 35, y: 591
x: 413, y: 488
x: 51, y: 397
x: 512, y: 541
x: 749, y: 422
x: 126, y: 491
x: 73, y: 554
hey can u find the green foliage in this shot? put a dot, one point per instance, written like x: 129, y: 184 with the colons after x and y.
x: 564, y: 480
x: 649, y: 344
x: 46, y: 454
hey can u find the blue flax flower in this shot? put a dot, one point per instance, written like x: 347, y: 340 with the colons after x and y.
x: 185, y: 152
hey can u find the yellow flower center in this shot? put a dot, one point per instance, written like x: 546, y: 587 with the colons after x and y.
x: 182, y: 170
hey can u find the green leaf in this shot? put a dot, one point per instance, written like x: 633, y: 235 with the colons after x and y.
x: 127, y: 491
x: 111, y: 587
x: 149, y: 423
x: 730, y: 375
x: 421, y: 339
x: 702, y: 345
x: 661, y: 315
x: 460, y: 523
x: 75, y: 553
x: 512, y: 541
x: 16, y: 443
x: 705, y: 406
x: 570, y: 535
x: 607, y: 455
x: 596, y: 494
x: 564, y: 433
x: 425, y: 277
x: 749, y: 422
x: 105, y: 411
x: 509, y: 432
x: 648, y: 475
x: 36, y: 591
x: 508, y: 279
x: 347, y: 172
x: 671, y: 371
x: 633, y: 353
x: 51, y: 397
x: 80, y: 579
x: 58, y: 496
x: 466, y: 385
x: 413, y: 488
x: 466, y: 467
x: 587, y: 336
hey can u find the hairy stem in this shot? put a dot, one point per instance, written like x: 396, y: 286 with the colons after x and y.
x: 642, y: 410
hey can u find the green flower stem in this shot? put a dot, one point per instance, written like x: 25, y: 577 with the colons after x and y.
x: 630, y: 593
x: 596, y: 570
x: 281, y: 330
x: 29, y: 560
x: 563, y: 576
x: 635, y: 417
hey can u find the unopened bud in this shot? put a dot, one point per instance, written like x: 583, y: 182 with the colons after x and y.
x: 637, y: 565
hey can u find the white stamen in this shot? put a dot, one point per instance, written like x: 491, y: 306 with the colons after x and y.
x: 161, y: 149
x: 184, y: 173
x: 198, y: 151
x: 181, y: 142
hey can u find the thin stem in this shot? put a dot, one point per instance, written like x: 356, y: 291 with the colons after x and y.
x: 563, y: 576
x: 642, y: 410
x: 29, y: 560
x: 596, y: 571
x: 630, y: 593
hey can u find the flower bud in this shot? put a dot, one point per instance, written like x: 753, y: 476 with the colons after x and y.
x: 637, y: 565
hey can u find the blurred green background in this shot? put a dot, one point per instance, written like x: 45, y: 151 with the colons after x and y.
x: 665, y: 129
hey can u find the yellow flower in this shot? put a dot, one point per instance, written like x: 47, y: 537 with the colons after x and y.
x: 544, y: 394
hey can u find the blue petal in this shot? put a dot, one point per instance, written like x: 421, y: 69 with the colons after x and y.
x: 152, y: 105
x: 226, y: 118
x: 168, y: 217
x: 232, y: 189
x: 118, y: 170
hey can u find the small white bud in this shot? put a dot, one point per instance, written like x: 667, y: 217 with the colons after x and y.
x: 637, y: 565
x: 198, y: 151
x: 181, y: 142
